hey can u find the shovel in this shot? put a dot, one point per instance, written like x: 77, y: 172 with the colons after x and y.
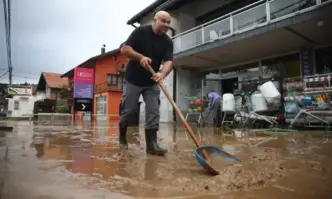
x: 205, y: 155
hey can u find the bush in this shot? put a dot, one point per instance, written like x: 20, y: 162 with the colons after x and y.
x: 61, y: 109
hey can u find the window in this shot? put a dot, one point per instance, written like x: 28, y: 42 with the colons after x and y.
x: 323, y: 60
x: 16, y: 105
x: 115, y: 80
x: 101, y: 108
x: 112, y: 79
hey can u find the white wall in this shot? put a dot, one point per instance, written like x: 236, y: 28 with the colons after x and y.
x: 166, y: 108
x: 48, y: 91
x: 187, y: 84
x: 40, y: 95
x: 147, y: 20
x: 26, y: 104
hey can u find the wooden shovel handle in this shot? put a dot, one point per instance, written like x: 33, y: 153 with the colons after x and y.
x: 184, y: 122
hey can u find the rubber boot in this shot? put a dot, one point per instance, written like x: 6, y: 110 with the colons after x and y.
x: 123, y: 138
x: 152, y: 146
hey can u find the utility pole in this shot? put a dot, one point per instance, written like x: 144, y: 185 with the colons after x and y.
x: 10, y: 67
x: 10, y: 74
x: 7, y: 17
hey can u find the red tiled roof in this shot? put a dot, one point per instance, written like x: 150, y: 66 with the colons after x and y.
x: 54, y: 80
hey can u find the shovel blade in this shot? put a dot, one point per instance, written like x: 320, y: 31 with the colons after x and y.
x: 218, y: 159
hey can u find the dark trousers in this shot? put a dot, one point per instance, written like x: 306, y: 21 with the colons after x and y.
x: 130, y: 99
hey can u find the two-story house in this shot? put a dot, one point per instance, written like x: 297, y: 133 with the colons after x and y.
x: 220, y: 44
x: 51, y: 86
x: 109, y: 70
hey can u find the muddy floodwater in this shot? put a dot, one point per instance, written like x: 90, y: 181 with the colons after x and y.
x: 74, y: 163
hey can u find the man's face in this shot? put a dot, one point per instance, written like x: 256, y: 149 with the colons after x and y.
x: 162, y: 23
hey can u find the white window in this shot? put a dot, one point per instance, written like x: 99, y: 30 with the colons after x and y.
x: 16, y: 105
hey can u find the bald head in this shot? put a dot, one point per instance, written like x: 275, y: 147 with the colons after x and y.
x: 161, y: 22
x: 162, y: 14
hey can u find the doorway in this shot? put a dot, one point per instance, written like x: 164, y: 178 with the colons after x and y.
x: 227, y: 85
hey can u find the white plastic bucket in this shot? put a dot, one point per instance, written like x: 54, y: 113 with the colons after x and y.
x: 228, y: 102
x: 258, y: 102
x: 269, y: 91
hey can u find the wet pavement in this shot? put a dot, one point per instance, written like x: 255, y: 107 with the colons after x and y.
x: 70, y: 163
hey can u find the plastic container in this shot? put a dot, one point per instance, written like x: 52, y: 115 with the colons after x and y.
x: 258, y: 102
x: 195, y: 104
x: 269, y: 91
x: 228, y: 103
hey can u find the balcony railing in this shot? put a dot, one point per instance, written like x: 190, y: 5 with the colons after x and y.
x: 247, y: 18
x: 107, y: 87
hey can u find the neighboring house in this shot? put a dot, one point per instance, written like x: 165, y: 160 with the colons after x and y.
x: 3, y: 100
x: 236, y: 40
x: 52, y: 86
x: 109, y: 70
x: 20, y: 100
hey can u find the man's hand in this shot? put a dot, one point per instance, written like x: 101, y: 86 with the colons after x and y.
x: 145, y: 62
x: 158, y: 77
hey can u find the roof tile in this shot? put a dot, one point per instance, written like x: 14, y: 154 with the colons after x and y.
x: 54, y: 80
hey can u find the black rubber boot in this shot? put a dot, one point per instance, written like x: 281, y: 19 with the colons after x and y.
x: 152, y: 146
x: 123, y: 138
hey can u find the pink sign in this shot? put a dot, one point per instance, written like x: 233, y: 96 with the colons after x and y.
x: 83, y: 75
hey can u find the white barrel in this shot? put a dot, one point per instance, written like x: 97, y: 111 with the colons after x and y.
x: 269, y: 91
x: 228, y: 102
x: 258, y: 102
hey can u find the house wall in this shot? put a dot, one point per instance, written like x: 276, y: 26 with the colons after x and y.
x: 103, y: 67
x: 106, y: 66
x: 26, y: 104
x: 188, y: 84
x: 112, y: 106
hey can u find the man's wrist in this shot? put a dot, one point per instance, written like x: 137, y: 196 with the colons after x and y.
x: 163, y: 73
x: 140, y: 57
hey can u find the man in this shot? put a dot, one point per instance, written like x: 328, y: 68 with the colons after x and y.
x: 214, y: 112
x: 146, y: 46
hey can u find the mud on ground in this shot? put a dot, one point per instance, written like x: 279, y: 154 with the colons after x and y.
x: 90, y: 162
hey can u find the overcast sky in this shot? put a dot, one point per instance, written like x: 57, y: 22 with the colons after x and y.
x: 55, y: 36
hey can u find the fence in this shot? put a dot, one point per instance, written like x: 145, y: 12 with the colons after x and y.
x: 64, y: 119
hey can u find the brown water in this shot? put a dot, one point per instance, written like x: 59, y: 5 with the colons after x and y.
x: 88, y: 164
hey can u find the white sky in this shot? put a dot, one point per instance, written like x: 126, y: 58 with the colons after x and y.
x: 55, y: 36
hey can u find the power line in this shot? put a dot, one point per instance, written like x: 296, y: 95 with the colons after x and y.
x: 26, y: 77
x: 3, y: 75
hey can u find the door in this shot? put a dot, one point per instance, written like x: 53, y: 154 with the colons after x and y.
x: 228, y: 85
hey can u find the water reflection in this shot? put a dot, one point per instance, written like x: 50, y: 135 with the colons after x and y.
x: 96, y: 154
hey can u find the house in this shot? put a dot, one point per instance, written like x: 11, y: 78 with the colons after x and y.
x: 222, y: 44
x: 52, y: 86
x: 20, y: 100
x: 109, y: 70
